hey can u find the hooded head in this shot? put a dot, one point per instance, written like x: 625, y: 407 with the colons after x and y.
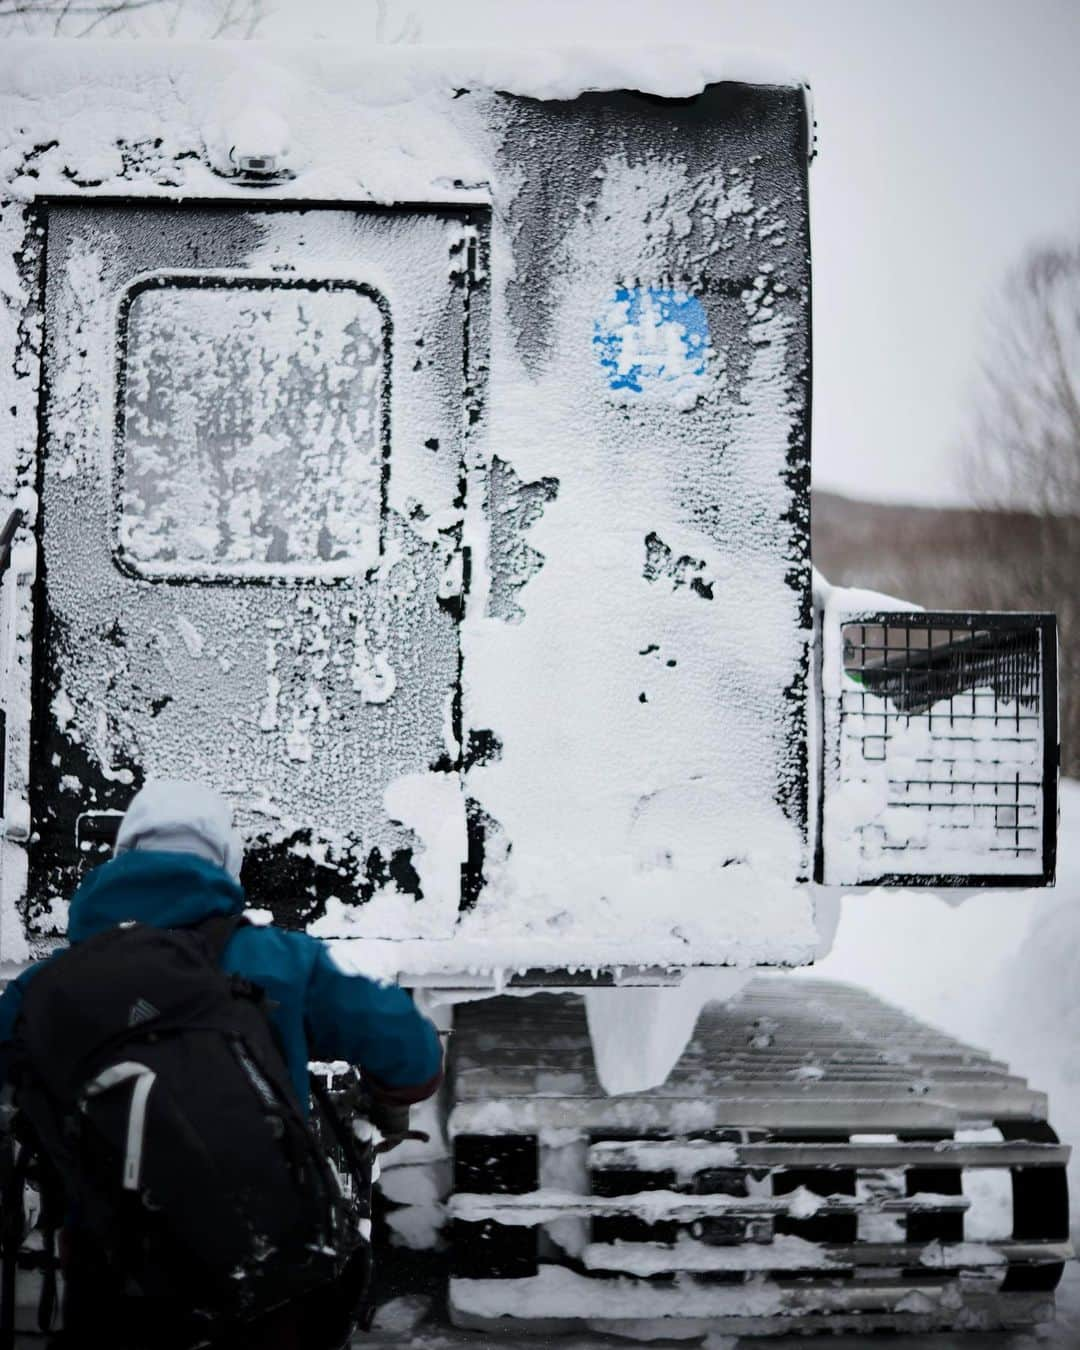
x: 175, y: 816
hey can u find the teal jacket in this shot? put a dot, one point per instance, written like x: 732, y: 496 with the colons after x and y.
x: 318, y: 1011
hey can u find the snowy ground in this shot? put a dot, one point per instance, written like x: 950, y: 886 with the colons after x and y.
x: 1063, y: 1335
x: 1002, y: 971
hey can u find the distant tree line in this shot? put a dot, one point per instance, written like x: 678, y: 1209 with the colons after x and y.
x: 132, y: 18
x: 189, y: 19
x: 1020, y: 547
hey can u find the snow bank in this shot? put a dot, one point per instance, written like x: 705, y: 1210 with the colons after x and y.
x: 1001, y: 971
x: 348, y: 121
x: 1030, y: 1008
x: 402, y: 74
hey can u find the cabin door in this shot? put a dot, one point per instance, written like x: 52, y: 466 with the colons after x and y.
x: 251, y: 519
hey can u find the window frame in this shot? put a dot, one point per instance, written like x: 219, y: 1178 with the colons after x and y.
x: 216, y: 575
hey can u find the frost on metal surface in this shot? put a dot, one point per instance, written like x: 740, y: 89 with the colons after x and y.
x: 256, y: 599
x: 512, y: 507
x: 462, y: 543
x: 20, y: 324
x: 940, y: 745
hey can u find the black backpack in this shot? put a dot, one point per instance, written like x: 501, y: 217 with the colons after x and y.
x: 153, y: 1084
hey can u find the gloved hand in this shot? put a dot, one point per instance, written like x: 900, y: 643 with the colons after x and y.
x: 391, y: 1119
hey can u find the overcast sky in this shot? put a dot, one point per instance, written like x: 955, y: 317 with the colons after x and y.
x: 947, y: 134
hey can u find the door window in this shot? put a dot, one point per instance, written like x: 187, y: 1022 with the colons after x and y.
x: 251, y: 427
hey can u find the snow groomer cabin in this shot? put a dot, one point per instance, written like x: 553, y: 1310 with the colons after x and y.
x: 414, y: 445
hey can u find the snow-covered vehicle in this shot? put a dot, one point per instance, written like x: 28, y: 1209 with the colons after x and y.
x: 415, y: 446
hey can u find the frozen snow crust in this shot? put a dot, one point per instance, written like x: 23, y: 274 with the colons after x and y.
x: 566, y: 656
x: 400, y: 74
x: 305, y: 99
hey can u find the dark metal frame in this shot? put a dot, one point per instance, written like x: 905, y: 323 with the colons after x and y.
x: 7, y: 535
x: 1046, y: 626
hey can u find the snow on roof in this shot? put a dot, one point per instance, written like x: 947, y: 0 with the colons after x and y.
x: 351, y: 122
x: 399, y: 74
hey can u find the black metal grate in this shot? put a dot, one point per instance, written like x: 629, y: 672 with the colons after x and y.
x: 916, y: 667
x: 959, y: 712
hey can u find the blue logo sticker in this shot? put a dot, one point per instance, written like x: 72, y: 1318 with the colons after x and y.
x: 654, y: 341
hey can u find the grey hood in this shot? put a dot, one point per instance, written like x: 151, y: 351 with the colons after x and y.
x: 176, y: 816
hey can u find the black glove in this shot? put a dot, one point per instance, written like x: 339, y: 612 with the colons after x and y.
x: 391, y: 1119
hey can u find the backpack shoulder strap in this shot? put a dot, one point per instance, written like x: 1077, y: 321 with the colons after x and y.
x: 217, y: 931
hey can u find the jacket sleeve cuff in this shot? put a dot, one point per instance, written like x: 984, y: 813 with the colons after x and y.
x: 406, y: 1094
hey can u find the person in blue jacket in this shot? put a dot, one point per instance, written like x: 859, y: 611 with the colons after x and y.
x: 177, y: 861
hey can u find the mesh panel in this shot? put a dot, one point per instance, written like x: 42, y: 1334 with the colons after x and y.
x: 942, y: 724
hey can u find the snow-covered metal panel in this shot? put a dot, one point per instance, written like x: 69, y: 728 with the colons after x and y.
x: 240, y: 582
x: 559, y: 717
x: 940, y: 748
